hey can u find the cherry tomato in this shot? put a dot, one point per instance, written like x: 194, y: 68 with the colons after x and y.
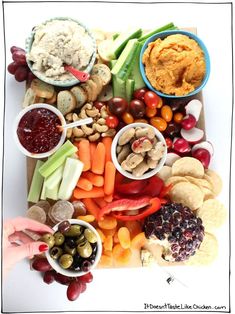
x: 112, y: 122
x: 160, y: 104
x: 137, y: 108
x: 151, y: 112
x: 158, y: 123
x: 166, y: 113
x: 139, y: 93
x: 141, y: 121
x: 99, y: 104
x: 117, y: 105
x: 168, y: 142
x: 178, y: 117
x: 127, y: 118
x: 151, y: 99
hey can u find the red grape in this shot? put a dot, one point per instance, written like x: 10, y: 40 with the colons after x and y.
x: 49, y: 276
x: 64, y: 280
x: 14, y: 48
x: 41, y: 264
x: 12, y: 67
x: 73, y: 291
x: 21, y: 73
x: 19, y: 57
x: 139, y: 93
x: 137, y: 108
x: 86, y: 278
x: 83, y: 286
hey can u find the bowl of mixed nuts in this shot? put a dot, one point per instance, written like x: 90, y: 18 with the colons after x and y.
x: 138, y: 151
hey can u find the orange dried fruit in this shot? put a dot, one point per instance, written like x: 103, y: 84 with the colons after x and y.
x: 87, y: 218
x: 110, y: 232
x: 108, y: 243
x: 106, y: 261
x: 121, y: 255
x: 124, y: 237
x: 115, y: 237
x: 134, y: 227
x: 138, y: 241
x: 108, y: 222
x: 101, y: 234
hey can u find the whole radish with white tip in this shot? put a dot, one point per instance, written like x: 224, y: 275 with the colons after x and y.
x: 181, y: 146
x: 203, y: 156
x: 205, y: 145
x: 194, y: 108
x: 188, y: 122
x: 192, y: 136
x: 171, y: 158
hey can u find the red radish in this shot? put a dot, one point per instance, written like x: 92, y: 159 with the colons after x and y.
x: 206, y: 145
x: 171, y: 158
x: 181, y: 146
x: 192, y: 136
x: 203, y: 156
x: 194, y: 108
x: 188, y: 122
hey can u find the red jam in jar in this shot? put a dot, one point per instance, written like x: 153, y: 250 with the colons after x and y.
x: 38, y: 130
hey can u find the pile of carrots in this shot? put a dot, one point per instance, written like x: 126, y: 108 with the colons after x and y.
x: 95, y: 187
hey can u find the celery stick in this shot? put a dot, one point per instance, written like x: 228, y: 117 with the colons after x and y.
x: 158, y: 30
x: 53, y: 193
x: 72, y: 171
x: 55, y: 178
x: 43, y: 193
x: 36, y: 184
x: 57, y: 159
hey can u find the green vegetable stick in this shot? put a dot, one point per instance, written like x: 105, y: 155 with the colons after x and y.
x: 57, y: 159
x: 53, y: 193
x: 55, y: 178
x: 36, y: 184
x: 158, y: 30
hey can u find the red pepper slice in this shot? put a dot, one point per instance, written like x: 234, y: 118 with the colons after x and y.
x: 155, y: 204
x: 165, y: 190
x: 125, y: 204
x: 154, y: 187
x: 132, y: 187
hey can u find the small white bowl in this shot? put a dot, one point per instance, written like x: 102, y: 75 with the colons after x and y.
x: 73, y: 273
x: 16, y: 123
x: 127, y: 174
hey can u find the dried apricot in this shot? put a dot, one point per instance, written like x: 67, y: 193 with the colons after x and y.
x: 121, y: 255
x: 87, y: 218
x: 106, y: 261
x: 101, y: 234
x: 108, y: 243
x: 138, y: 241
x: 134, y: 227
x: 110, y: 232
x: 124, y: 237
x: 115, y: 237
x: 107, y: 222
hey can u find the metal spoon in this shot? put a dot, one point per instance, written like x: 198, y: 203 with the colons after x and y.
x: 80, y: 75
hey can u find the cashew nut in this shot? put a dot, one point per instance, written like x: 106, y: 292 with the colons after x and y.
x: 69, y: 116
x: 133, y: 160
x: 94, y: 137
x: 69, y: 133
x: 87, y: 130
x: 103, y: 112
x: 87, y: 106
x: 75, y: 117
x: 122, y: 155
x: 140, y: 169
x: 83, y: 114
x: 100, y: 128
x: 77, y: 132
x: 110, y: 132
x: 92, y: 112
x: 157, y: 151
x: 149, y: 132
x: 126, y: 136
x: 101, y: 121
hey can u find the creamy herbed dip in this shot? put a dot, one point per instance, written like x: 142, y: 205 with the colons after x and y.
x: 58, y: 42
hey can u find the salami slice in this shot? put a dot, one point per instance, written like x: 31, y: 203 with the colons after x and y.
x: 61, y: 210
x: 36, y: 213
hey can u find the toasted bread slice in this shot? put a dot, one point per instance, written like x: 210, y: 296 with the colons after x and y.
x: 31, y: 98
x: 66, y: 102
x: 106, y: 93
x: 88, y: 90
x: 80, y: 95
x: 94, y: 89
x: 42, y: 89
x: 103, y: 71
x: 99, y: 82
x: 52, y: 100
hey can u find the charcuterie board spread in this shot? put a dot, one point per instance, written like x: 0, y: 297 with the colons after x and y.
x: 118, y: 163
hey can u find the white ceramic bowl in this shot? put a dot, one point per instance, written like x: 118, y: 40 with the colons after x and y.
x: 16, y: 123
x: 73, y: 273
x: 127, y: 174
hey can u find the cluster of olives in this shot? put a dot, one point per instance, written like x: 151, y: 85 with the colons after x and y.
x: 74, y: 246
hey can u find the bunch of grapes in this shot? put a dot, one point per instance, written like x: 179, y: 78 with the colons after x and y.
x: 19, y: 67
x: 75, y: 285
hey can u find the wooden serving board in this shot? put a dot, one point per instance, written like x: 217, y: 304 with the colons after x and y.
x: 156, y: 249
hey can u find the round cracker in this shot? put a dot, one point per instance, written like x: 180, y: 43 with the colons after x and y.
x: 208, y: 194
x: 164, y: 173
x: 61, y: 210
x: 207, y: 251
x: 175, y: 179
x: 213, y: 214
x: 202, y: 183
x: 215, y: 180
x: 188, y: 166
x: 188, y: 194
x: 45, y: 205
x: 36, y: 213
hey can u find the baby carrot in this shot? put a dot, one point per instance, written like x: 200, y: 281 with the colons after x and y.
x: 94, y: 193
x: 109, y: 178
x: 84, y: 154
x: 107, y: 141
x: 84, y: 184
x: 108, y: 198
x: 95, y: 179
x: 91, y: 206
x: 98, y: 161
x: 100, y: 202
x: 92, y: 149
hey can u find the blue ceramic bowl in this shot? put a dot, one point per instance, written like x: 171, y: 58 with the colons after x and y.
x: 163, y: 35
x: 64, y: 83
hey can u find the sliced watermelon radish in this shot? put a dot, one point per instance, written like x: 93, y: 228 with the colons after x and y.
x: 171, y: 158
x: 206, y: 145
x: 192, y: 136
x: 194, y: 108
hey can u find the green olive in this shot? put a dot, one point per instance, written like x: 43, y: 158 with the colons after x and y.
x: 69, y: 250
x: 81, y: 239
x: 90, y: 236
x: 66, y: 260
x: 84, y: 249
x: 59, y: 238
x: 49, y: 239
x: 56, y: 252
x: 74, y: 231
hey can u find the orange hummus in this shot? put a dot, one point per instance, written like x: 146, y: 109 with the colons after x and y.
x: 174, y: 65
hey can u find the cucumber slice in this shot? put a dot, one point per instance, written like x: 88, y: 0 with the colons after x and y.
x: 124, y: 64
x: 120, y: 42
x: 166, y: 27
x: 135, y: 73
x: 119, y: 86
x: 57, y: 159
x: 72, y: 171
x: 130, y: 86
x: 36, y: 184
